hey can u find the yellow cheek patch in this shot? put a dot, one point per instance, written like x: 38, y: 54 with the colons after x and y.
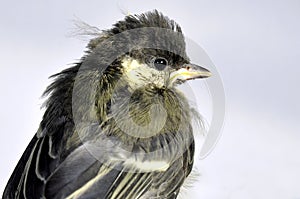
x: 140, y: 74
x: 130, y: 64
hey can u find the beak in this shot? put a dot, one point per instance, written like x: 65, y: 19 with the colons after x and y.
x: 189, y: 72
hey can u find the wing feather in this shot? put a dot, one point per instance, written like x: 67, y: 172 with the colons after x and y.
x: 14, y: 186
x: 32, y: 184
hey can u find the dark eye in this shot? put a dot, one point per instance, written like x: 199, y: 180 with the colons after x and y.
x: 160, y: 63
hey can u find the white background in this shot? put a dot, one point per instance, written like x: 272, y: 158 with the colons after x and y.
x: 255, y: 46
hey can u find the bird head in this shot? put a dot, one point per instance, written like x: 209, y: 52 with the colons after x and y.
x: 152, y: 51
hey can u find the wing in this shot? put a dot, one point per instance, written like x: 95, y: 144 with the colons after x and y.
x: 41, y: 174
x: 38, y: 162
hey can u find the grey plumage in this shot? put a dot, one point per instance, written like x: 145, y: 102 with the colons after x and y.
x: 83, y: 149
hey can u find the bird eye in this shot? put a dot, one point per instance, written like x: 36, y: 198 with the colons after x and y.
x: 160, y: 63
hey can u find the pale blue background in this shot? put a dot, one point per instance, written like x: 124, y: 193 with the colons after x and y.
x: 254, y: 44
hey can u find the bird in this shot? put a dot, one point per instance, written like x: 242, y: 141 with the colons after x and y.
x: 116, y: 125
